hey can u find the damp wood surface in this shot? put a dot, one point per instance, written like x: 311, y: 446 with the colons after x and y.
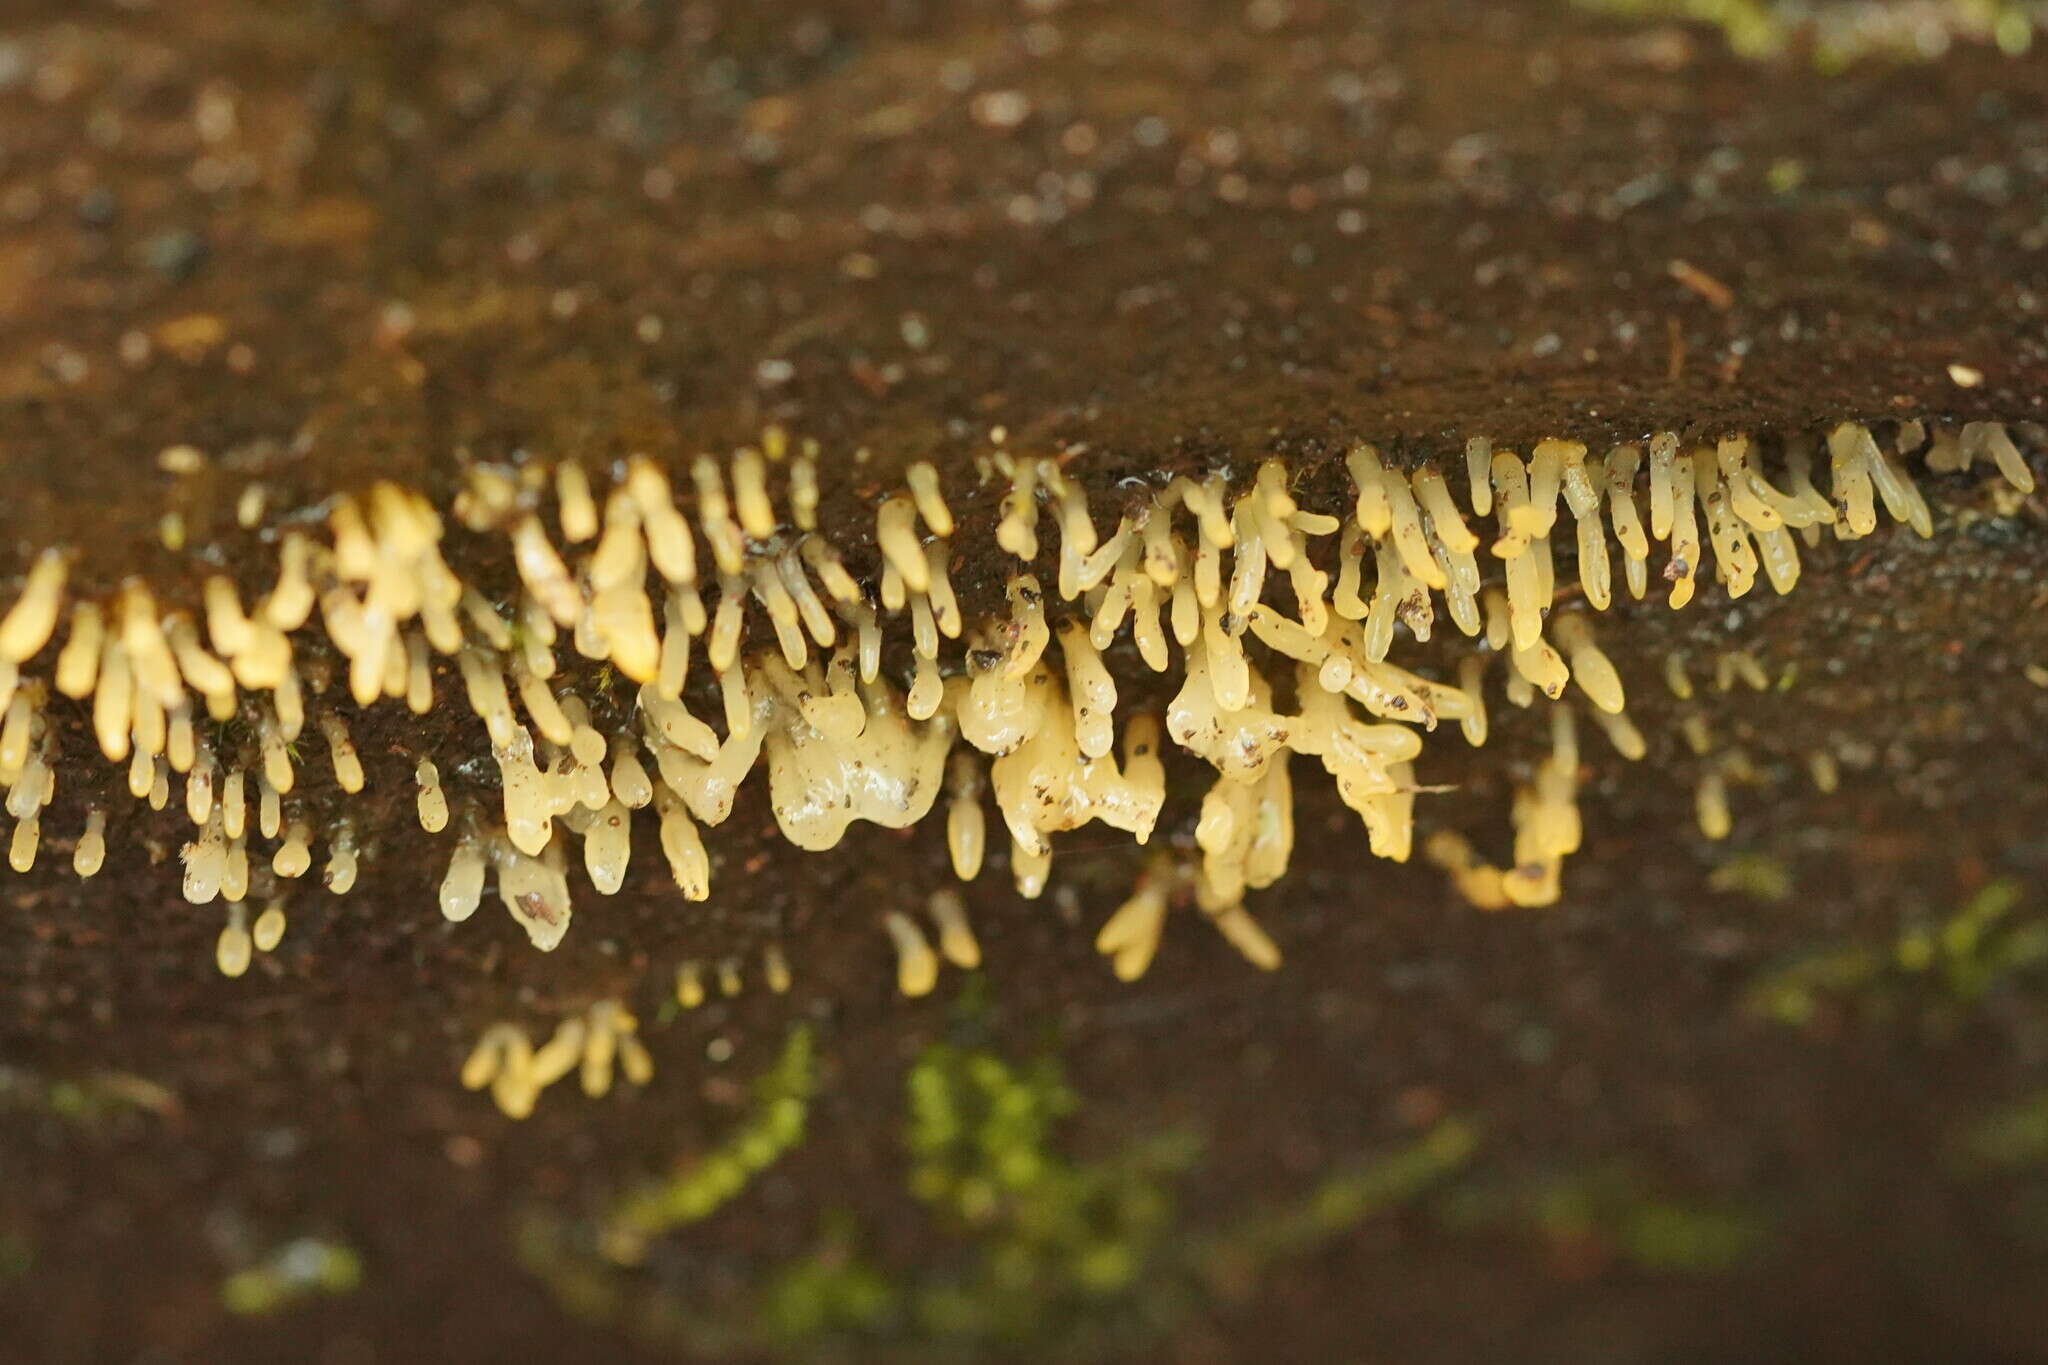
x: 1146, y: 239
x: 319, y: 1093
x: 341, y: 245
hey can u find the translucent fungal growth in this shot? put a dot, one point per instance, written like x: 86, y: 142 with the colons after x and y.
x: 1710, y: 804
x: 1479, y: 883
x: 1991, y: 439
x: 917, y: 966
x: 233, y: 950
x: 529, y: 803
x: 1246, y: 935
x: 1282, y: 608
x: 205, y: 864
x: 1851, y: 452
x: 1246, y: 834
x: 295, y: 855
x: 78, y: 663
x: 1030, y: 869
x: 1130, y: 936
x: 578, y: 508
x: 690, y: 985
x: 1590, y: 668
x: 775, y: 969
x: 956, y: 936
x: 342, y: 863
x: 462, y: 886
x: 819, y: 782
x: 26, y: 626
x: 535, y: 892
x: 1045, y: 784
x: 1091, y: 691
x: 1622, y: 733
x: 432, y: 801
x: 1366, y: 761
x: 1471, y: 679
x: 348, y: 767
x: 931, y: 502
x: 595, y: 1046
x: 268, y: 931
x: 683, y: 846
x: 608, y: 847
x: 966, y: 825
x: 91, y: 852
x: 27, y: 838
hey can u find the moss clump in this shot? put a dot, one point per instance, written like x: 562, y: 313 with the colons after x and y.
x: 1589, y: 1218
x: 2012, y: 1137
x: 296, y: 1271
x: 1936, y: 970
x: 772, y: 1127
x: 1838, y: 33
x: 1054, y: 1237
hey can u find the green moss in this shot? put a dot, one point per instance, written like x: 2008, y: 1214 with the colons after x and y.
x: 1751, y: 27
x: 2011, y: 1137
x: 833, y: 1293
x: 1064, y: 1257
x: 1936, y: 971
x: 1755, y: 875
x: 1339, y: 1203
x: 1027, y: 1248
x: 1052, y: 1238
x: 583, y: 1285
x: 1611, y: 1212
x: 773, y: 1126
x: 1689, y: 1238
x: 1793, y: 994
x: 90, y: 1101
x: 2006, y: 1151
x: 1837, y: 33
x: 295, y: 1272
x: 17, y: 1254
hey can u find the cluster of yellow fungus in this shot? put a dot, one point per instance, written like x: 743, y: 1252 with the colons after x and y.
x: 593, y: 1045
x: 1274, y: 623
